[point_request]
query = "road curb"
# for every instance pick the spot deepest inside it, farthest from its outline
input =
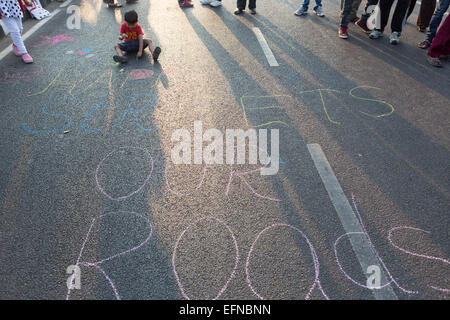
(26, 16)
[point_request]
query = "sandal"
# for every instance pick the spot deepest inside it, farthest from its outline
(424, 44)
(114, 5)
(435, 62)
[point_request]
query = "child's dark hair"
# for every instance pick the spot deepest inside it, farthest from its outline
(131, 16)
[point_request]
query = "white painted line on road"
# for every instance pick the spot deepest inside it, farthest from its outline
(65, 4)
(6, 51)
(361, 246)
(265, 47)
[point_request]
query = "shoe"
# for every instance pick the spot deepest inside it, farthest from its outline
(216, 4)
(425, 44)
(375, 34)
(319, 12)
(156, 53)
(343, 34)
(252, 11)
(206, 1)
(300, 11)
(120, 59)
(238, 11)
(363, 25)
(186, 4)
(27, 58)
(16, 51)
(114, 5)
(354, 19)
(394, 38)
(435, 62)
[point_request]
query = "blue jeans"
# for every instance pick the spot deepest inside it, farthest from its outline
(306, 4)
(437, 18)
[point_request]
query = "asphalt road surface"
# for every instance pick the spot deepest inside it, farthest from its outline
(87, 180)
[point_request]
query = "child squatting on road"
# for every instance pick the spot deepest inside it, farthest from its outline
(133, 39)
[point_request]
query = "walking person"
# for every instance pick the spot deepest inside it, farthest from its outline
(212, 3)
(397, 19)
(304, 8)
(11, 13)
(440, 48)
(346, 8)
(241, 6)
(425, 13)
(434, 24)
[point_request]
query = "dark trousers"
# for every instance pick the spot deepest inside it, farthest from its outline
(441, 43)
(399, 14)
(425, 13)
(251, 4)
(355, 7)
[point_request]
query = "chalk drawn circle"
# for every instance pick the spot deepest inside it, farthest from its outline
(222, 290)
(132, 193)
(311, 248)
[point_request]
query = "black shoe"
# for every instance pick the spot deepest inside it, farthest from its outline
(120, 59)
(238, 11)
(156, 53)
(252, 11)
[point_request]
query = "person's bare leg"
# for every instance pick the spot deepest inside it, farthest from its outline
(118, 50)
(151, 47)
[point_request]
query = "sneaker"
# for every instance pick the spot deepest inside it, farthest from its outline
(16, 51)
(252, 11)
(301, 11)
(216, 4)
(375, 34)
(425, 44)
(238, 11)
(206, 1)
(363, 25)
(319, 12)
(27, 58)
(435, 62)
(186, 4)
(120, 59)
(343, 34)
(394, 38)
(156, 53)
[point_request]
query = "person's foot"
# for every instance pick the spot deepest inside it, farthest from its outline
(425, 44)
(252, 11)
(114, 5)
(216, 4)
(120, 59)
(186, 4)
(156, 54)
(300, 11)
(435, 62)
(363, 25)
(421, 29)
(375, 34)
(342, 33)
(206, 1)
(394, 38)
(238, 11)
(354, 19)
(27, 58)
(319, 12)
(16, 51)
